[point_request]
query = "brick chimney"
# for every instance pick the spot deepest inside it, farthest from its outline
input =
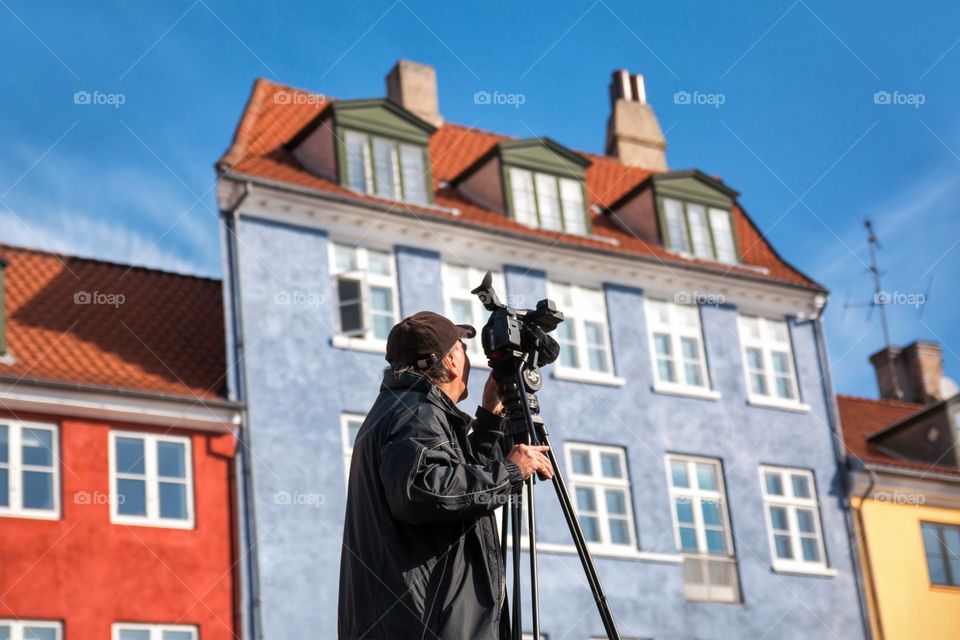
(633, 133)
(912, 374)
(413, 86)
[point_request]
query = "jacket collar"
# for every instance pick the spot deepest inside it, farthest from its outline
(411, 381)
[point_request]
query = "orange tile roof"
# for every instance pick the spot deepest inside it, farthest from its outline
(275, 113)
(861, 418)
(160, 332)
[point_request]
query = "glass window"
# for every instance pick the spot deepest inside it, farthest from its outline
(942, 545)
(693, 228)
(768, 356)
(723, 236)
(676, 226)
(793, 518)
(29, 470)
(602, 493)
(678, 353)
(366, 288)
(386, 167)
(133, 631)
(546, 201)
(465, 308)
(584, 336)
(152, 481)
(699, 233)
(30, 630)
(702, 529)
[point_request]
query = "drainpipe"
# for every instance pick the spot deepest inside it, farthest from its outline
(244, 481)
(830, 399)
(857, 464)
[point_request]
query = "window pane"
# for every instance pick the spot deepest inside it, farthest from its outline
(616, 502)
(619, 532)
(663, 344)
(676, 227)
(571, 193)
(384, 163)
(131, 497)
(566, 336)
(598, 359)
(381, 326)
(774, 482)
(378, 263)
(782, 544)
(758, 384)
(381, 299)
(951, 537)
(706, 477)
(358, 161)
(39, 633)
(684, 510)
(678, 474)
(37, 447)
(723, 235)
(938, 570)
(591, 528)
(755, 359)
(690, 348)
(345, 258)
(524, 208)
(581, 462)
(801, 486)
(37, 490)
(351, 306)
(171, 460)
(129, 455)
(776, 331)
(610, 465)
(688, 539)
(414, 176)
(711, 512)
(4, 489)
(666, 370)
(177, 635)
(173, 500)
(805, 521)
(784, 387)
(4, 632)
(931, 541)
(462, 311)
(700, 237)
(716, 544)
(4, 446)
(586, 499)
(778, 518)
(131, 634)
(548, 203)
(780, 362)
(810, 548)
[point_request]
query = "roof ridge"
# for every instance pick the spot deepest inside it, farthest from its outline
(110, 263)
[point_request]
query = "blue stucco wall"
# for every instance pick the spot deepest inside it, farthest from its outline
(298, 385)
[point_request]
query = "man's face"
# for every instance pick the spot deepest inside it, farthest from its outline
(461, 370)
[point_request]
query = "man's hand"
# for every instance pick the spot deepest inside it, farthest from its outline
(491, 396)
(531, 459)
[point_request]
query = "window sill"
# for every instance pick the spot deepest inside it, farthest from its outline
(592, 377)
(685, 391)
(775, 403)
(31, 515)
(798, 569)
(370, 345)
(608, 551)
(156, 524)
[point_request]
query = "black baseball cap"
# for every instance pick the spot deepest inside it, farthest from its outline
(422, 339)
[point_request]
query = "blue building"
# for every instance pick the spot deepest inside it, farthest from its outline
(691, 406)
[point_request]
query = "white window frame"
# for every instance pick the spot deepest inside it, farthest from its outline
(477, 311)
(599, 483)
(563, 215)
(577, 317)
(396, 165)
(155, 630)
(709, 213)
(791, 503)
(15, 469)
(151, 480)
(676, 331)
(696, 495)
(365, 341)
(17, 626)
(766, 346)
(345, 419)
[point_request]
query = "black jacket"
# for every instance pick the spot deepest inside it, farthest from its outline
(421, 552)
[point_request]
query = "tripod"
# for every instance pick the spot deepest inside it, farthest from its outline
(518, 386)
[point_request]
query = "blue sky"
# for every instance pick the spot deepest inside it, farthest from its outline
(799, 132)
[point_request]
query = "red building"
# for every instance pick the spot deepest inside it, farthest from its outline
(116, 453)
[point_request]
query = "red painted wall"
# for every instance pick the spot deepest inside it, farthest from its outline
(90, 573)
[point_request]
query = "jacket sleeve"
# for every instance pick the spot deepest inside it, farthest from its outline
(487, 436)
(425, 481)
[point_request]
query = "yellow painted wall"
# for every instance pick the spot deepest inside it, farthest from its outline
(907, 605)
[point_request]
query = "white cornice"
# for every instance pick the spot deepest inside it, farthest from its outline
(347, 219)
(907, 487)
(92, 404)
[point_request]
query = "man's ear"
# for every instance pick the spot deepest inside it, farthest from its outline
(450, 362)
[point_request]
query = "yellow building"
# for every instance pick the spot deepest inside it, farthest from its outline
(905, 495)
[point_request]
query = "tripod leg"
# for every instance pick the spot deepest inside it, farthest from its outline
(516, 505)
(534, 580)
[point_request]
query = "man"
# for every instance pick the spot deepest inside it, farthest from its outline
(421, 553)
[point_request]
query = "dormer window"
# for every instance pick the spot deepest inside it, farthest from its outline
(547, 201)
(386, 168)
(700, 230)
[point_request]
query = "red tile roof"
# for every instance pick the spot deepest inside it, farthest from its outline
(164, 335)
(275, 113)
(861, 418)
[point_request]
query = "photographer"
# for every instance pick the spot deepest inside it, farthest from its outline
(421, 554)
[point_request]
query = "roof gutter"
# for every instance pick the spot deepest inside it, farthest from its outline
(345, 199)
